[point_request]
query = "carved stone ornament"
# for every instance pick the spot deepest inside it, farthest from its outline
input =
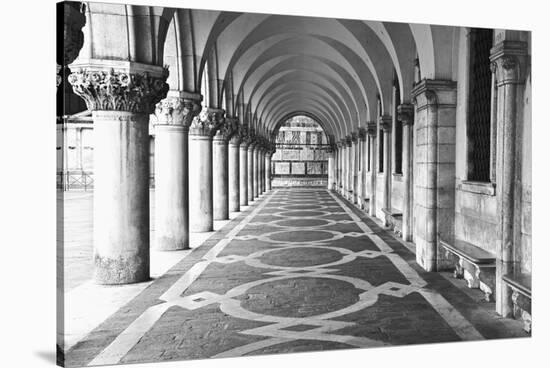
(371, 128)
(354, 137)
(405, 114)
(176, 111)
(207, 122)
(385, 123)
(119, 91)
(227, 129)
(361, 133)
(348, 140)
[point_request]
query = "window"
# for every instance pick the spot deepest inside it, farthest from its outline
(479, 106)
(381, 151)
(398, 147)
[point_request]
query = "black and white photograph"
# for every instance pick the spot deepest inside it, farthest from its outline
(232, 182)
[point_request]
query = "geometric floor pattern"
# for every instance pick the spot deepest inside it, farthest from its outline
(301, 270)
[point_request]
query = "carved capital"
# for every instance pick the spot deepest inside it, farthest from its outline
(372, 128)
(176, 110)
(348, 140)
(120, 90)
(385, 123)
(434, 92)
(228, 129)
(405, 114)
(354, 137)
(207, 122)
(509, 61)
(361, 133)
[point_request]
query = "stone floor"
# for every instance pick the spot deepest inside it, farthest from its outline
(299, 270)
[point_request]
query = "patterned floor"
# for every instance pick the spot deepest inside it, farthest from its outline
(299, 271)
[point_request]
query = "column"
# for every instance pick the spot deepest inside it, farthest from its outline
(173, 118)
(435, 106)
(201, 207)
(405, 114)
(256, 170)
(372, 132)
(330, 154)
(353, 168)
(509, 59)
(121, 164)
(261, 174)
(250, 176)
(243, 168)
(234, 170)
(361, 173)
(349, 168)
(220, 162)
(385, 122)
(268, 169)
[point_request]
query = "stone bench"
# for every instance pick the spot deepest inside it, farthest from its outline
(394, 218)
(520, 283)
(477, 266)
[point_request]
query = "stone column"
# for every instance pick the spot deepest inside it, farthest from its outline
(267, 170)
(234, 169)
(121, 163)
(251, 165)
(361, 173)
(372, 132)
(261, 173)
(330, 183)
(243, 168)
(435, 108)
(174, 115)
(353, 168)
(386, 124)
(256, 168)
(220, 170)
(405, 114)
(509, 59)
(349, 168)
(201, 204)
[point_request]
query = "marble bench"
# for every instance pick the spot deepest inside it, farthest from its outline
(520, 283)
(394, 218)
(477, 266)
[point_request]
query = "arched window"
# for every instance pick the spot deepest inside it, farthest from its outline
(479, 105)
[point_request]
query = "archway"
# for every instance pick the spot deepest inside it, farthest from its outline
(301, 157)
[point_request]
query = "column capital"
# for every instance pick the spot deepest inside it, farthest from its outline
(405, 114)
(236, 137)
(107, 85)
(354, 137)
(509, 61)
(178, 108)
(361, 133)
(227, 130)
(372, 128)
(434, 92)
(207, 122)
(348, 140)
(385, 123)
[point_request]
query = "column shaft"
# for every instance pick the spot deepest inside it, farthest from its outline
(250, 176)
(121, 197)
(201, 217)
(234, 172)
(220, 183)
(243, 174)
(171, 187)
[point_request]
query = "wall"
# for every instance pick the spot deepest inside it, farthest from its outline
(476, 206)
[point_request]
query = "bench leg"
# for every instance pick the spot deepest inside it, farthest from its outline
(522, 309)
(471, 274)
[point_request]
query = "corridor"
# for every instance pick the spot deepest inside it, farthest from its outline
(299, 270)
